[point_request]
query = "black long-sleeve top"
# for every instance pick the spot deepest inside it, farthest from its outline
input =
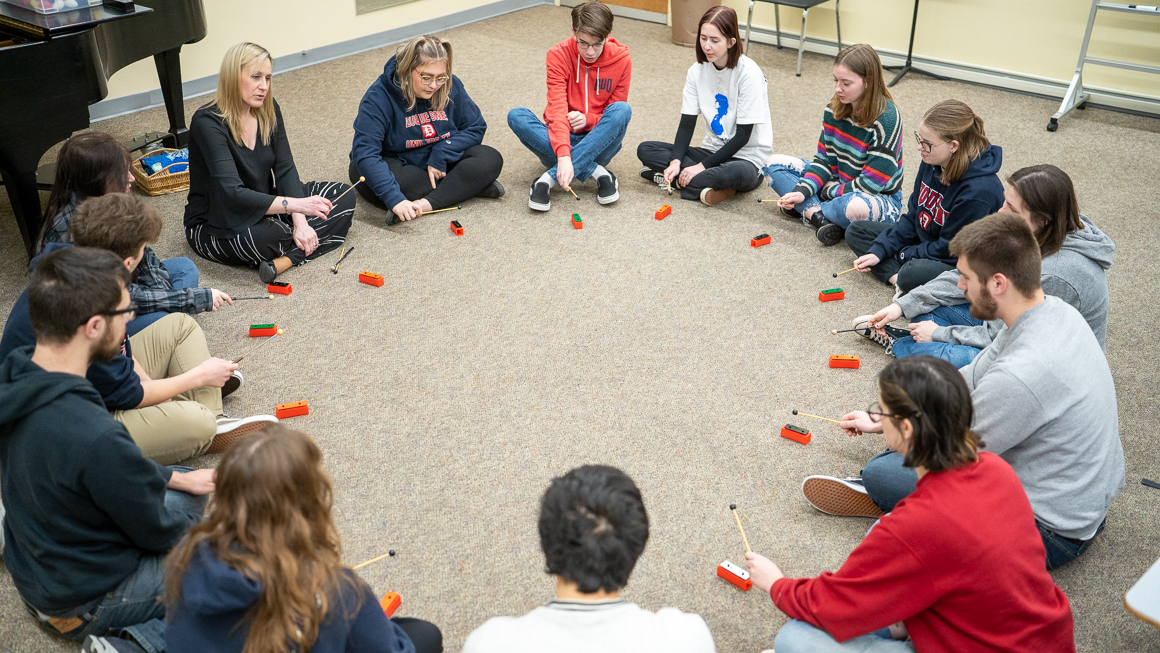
(231, 186)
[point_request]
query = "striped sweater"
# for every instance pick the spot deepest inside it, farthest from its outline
(855, 158)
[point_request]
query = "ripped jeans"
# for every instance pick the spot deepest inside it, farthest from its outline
(842, 209)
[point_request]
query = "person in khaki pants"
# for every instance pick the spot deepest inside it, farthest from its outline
(163, 385)
(173, 350)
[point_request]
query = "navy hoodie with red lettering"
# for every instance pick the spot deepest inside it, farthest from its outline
(418, 136)
(936, 211)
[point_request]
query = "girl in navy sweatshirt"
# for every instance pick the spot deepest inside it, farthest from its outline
(418, 137)
(957, 183)
(263, 574)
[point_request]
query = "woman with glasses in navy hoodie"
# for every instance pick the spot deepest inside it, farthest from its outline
(418, 137)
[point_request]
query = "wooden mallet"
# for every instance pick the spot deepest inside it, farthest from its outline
(335, 200)
(825, 419)
(385, 555)
(242, 299)
(837, 274)
(450, 208)
(341, 255)
(733, 507)
(569, 189)
(254, 349)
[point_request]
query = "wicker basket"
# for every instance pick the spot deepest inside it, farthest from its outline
(160, 183)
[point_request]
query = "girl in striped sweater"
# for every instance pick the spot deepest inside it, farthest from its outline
(857, 171)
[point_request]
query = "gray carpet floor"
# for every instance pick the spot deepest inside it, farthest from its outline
(446, 400)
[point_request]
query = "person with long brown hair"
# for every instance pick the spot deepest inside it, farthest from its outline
(955, 566)
(856, 173)
(246, 204)
(1076, 257)
(93, 164)
(957, 183)
(418, 136)
(729, 90)
(263, 573)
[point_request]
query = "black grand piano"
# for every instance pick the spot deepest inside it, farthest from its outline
(52, 67)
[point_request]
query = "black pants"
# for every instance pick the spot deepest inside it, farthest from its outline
(737, 174)
(273, 236)
(480, 165)
(424, 634)
(860, 236)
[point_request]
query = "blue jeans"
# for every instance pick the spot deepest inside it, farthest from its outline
(888, 482)
(883, 208)
(597, 147)
(182, 274)
(1061, 550)
(800, 637)
(140, 596)
(958, 355)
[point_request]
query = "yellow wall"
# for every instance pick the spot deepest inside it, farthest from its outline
(283, 27)
(1039, 38)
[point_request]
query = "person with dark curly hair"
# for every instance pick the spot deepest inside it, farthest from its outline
(593, 527)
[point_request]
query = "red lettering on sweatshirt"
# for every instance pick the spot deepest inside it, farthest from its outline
(930, 207)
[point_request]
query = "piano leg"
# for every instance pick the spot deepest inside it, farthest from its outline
(25, 198)
(169, 73)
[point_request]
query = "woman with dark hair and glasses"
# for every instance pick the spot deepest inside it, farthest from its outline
(730, 91)
(418, 136)
(958, 565)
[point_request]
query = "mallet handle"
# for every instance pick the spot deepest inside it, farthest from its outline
(745, 539)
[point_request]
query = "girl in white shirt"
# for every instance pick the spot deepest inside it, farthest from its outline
(730, 91)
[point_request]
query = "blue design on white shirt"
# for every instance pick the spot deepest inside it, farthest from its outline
(722, 109)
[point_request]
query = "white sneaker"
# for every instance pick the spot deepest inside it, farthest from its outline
(230, 430)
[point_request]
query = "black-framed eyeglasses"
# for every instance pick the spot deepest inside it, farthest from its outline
(131, 312)
(876, 414)
(594, 47)
(924, 145)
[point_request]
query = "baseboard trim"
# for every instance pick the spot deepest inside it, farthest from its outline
(627, 12)
(984, 76)
(120, 106)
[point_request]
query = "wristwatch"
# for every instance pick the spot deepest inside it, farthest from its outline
(286, 206)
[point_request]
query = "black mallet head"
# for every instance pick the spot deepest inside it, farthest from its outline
(733, 506)
(391, 552)
(795, 411)
(835, 275)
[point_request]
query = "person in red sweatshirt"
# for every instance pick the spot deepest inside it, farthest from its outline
(588, 112)
(958, 566)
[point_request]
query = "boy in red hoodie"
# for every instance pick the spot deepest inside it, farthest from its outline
(587, 113)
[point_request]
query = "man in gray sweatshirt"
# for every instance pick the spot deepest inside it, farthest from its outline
(1053, 418)
(940, 325)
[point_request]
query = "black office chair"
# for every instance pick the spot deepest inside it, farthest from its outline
(805, 6)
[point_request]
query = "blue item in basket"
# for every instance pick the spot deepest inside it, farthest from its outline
(155, 164)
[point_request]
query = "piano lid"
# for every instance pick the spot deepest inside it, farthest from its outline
(28, 23)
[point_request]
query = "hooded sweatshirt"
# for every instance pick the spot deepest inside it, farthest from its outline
(1076, 274)
(116, 380)
(83, 505)
(936, 211)
(418, 136)
(210, 614)
(575, 85)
